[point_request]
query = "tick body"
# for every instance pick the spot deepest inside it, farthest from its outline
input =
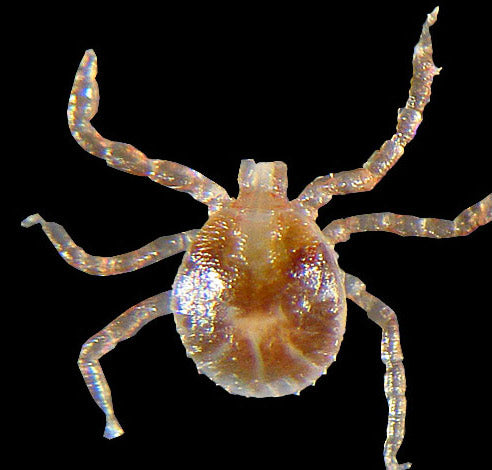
(259, 300)
(265, 290)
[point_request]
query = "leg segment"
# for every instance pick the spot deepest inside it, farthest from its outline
(76, 257)
(321, 190)
(124, 327)
(82, 107)
(407, 225)
(392, 357)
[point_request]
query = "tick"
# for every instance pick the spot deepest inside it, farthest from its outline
(259, 299)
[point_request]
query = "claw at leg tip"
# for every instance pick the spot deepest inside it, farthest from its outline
(31, 220)
(112, 429)
(432, 16)
(110, 433)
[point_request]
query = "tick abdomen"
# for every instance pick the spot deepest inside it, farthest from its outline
(259, 302)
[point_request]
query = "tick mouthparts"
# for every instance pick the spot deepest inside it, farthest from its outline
(264, 177)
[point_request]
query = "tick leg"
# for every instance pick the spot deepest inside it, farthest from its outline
(82, 107)
(124, 327)
(408, 225)
(75, 256)
(321, 190)
(392, 357)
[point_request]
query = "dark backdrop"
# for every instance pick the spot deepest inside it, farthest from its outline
(317, 88)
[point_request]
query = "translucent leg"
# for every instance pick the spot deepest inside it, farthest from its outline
(392, 357)
(82, 107)
(406, 225)
(75, 256)
(321, 190)
(125, 326)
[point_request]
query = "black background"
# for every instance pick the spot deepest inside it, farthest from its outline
(317, 88)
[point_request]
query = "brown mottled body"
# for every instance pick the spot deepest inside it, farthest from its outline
(259, 299)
